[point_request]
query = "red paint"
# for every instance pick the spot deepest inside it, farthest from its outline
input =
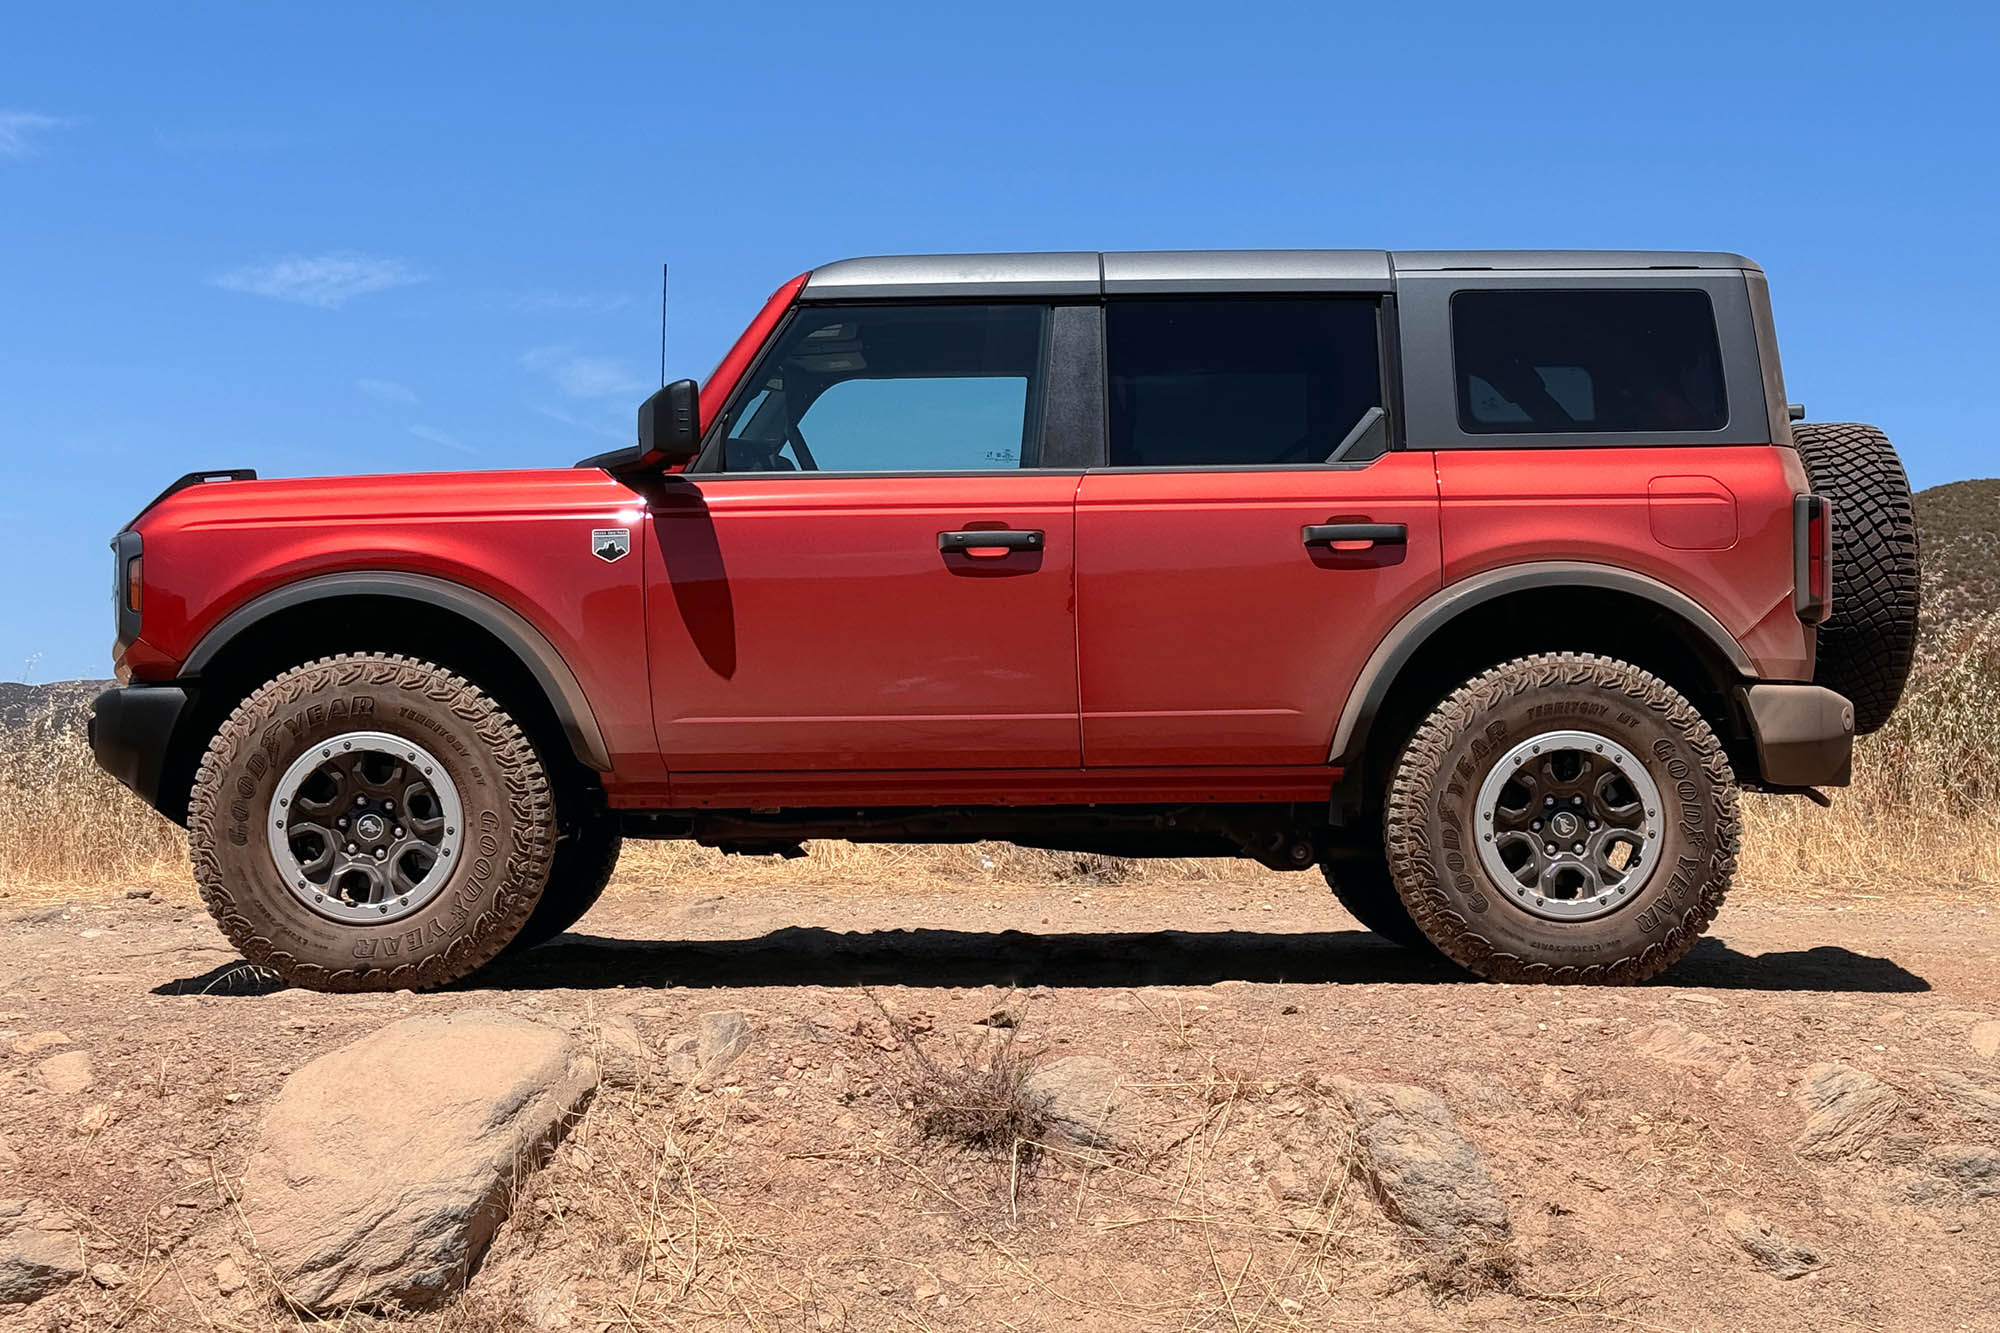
(722, 380)
(1209, 633)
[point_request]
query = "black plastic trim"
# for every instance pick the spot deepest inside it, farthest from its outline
(131, 732)
(521, 638)
(126, 547)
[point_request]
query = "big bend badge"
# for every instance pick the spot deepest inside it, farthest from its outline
(609, 544)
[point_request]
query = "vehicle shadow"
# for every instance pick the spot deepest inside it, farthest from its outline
(814, 956)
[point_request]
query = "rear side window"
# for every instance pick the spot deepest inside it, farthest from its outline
(1586, 362)
(944, 388)
(1229, 383)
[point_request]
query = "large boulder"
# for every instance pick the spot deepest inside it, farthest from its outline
(1421, 1167)
(39, 1251)
(383, 1169)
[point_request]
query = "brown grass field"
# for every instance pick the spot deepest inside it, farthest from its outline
(1924, 812)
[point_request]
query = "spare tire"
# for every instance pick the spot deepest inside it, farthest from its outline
(1866, 645)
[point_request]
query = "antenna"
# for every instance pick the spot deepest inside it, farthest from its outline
(663, 326)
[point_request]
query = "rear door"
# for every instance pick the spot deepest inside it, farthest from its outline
(1232, 580)
(878, 572)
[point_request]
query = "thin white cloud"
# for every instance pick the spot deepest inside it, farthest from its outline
(584, 376)
(565, 303)
(577, 423)
(442, 438)
(327, 281)
(388, 391)
(21, 132)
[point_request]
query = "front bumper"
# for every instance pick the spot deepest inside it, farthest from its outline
(1804, 734)
(131, 733)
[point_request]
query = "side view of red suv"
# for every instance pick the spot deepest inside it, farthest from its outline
(1481, 581)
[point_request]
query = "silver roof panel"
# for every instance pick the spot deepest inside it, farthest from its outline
(1246, 271)
(1418, 261)
(901, 277)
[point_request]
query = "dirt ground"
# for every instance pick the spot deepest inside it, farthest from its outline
(792, 1192)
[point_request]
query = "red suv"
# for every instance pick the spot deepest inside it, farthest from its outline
(1481, 581)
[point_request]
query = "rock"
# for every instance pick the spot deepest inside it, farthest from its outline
(1974, 1096)
(1670, 1043)
(1082, 1098)
(9, 1159)
(723, 1035)
(1985, 1038)
(679, 1059)
(38, 1252)
(1424, 1172)
(622, 1057)
(1770, 1248)
(69, 1072)
(95, 1120)
(382, 1169)
(1845, 1109)
(37, 1042)
(108, 1276)
(1973, 1169)
(229, 1277)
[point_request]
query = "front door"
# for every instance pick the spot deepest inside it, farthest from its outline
(872, 572)
(1231, 580)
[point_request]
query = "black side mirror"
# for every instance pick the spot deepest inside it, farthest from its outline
(669, 433)
(670, 425)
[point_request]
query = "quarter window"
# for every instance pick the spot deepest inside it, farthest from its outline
(1242, 383)
(893, 389)
(1586, 362)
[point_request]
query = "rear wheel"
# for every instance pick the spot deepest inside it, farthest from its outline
(1867, 644)
(1565, 818)
(370, 822)
(1364, 888)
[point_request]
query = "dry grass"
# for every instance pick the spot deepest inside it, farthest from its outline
(1924, 810)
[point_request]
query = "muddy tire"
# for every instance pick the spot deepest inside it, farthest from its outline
(585, 858)
(1867, 644)
(370, 822)
(1563, 818)
(1365, 890)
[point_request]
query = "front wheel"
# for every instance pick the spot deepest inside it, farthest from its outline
(370, 822)
(1563, 818)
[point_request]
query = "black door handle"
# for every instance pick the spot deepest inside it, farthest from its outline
(1375, 534)
(984, 539)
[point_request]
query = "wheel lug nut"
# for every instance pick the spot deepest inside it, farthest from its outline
(1578, 849)
(1535, 824)
(1548, 800)
(1551, 849)
(340, 823)
(350, 849)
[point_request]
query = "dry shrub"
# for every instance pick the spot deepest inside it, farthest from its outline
(983, 1103)
(65, 822)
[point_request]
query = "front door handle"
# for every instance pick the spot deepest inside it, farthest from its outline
(981, 541)
(1375, 534)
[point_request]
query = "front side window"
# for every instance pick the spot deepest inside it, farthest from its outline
(1583, 362)
(944, 388)
(1242, 383)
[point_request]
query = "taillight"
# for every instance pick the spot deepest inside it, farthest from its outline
(1812, 538)
(135, 582)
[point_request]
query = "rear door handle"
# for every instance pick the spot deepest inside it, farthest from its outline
(990, 539)
(1375, 534)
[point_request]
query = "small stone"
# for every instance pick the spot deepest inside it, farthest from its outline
(108, 1275)
(37, 1042)
(38, 1252)
(9, 1159)
(94, 1120)
(69, 1072)
(722, 1036)
(621, 1053)
(229, 1277)
(1770, 1248)
(1422, 1168)
(1083, 1098)
(1974, 1096)
(1985, 1039)
(1670, 1043)
(138, 894)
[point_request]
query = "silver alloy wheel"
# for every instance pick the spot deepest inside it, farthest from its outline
(365, 827)
(1569, 825)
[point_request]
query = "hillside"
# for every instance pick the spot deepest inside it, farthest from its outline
(1959, 526)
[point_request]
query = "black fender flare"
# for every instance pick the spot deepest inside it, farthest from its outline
(1378, 674)
(514, 632)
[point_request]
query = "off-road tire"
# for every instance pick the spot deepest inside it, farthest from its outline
(508, 813)
(1866, 645)
(1367, 892)
(1432, 827)
(585, 858)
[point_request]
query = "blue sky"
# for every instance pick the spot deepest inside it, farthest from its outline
(364, 238)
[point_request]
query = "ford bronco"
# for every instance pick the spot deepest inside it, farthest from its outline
(1480, 582)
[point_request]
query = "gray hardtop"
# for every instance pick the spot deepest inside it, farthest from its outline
(1082, 273)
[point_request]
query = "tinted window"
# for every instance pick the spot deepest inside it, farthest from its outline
(1239, 383)
(893, 389)
(1555, 362)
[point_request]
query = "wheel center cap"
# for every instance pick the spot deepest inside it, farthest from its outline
(1564, 824)
(369, 827)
